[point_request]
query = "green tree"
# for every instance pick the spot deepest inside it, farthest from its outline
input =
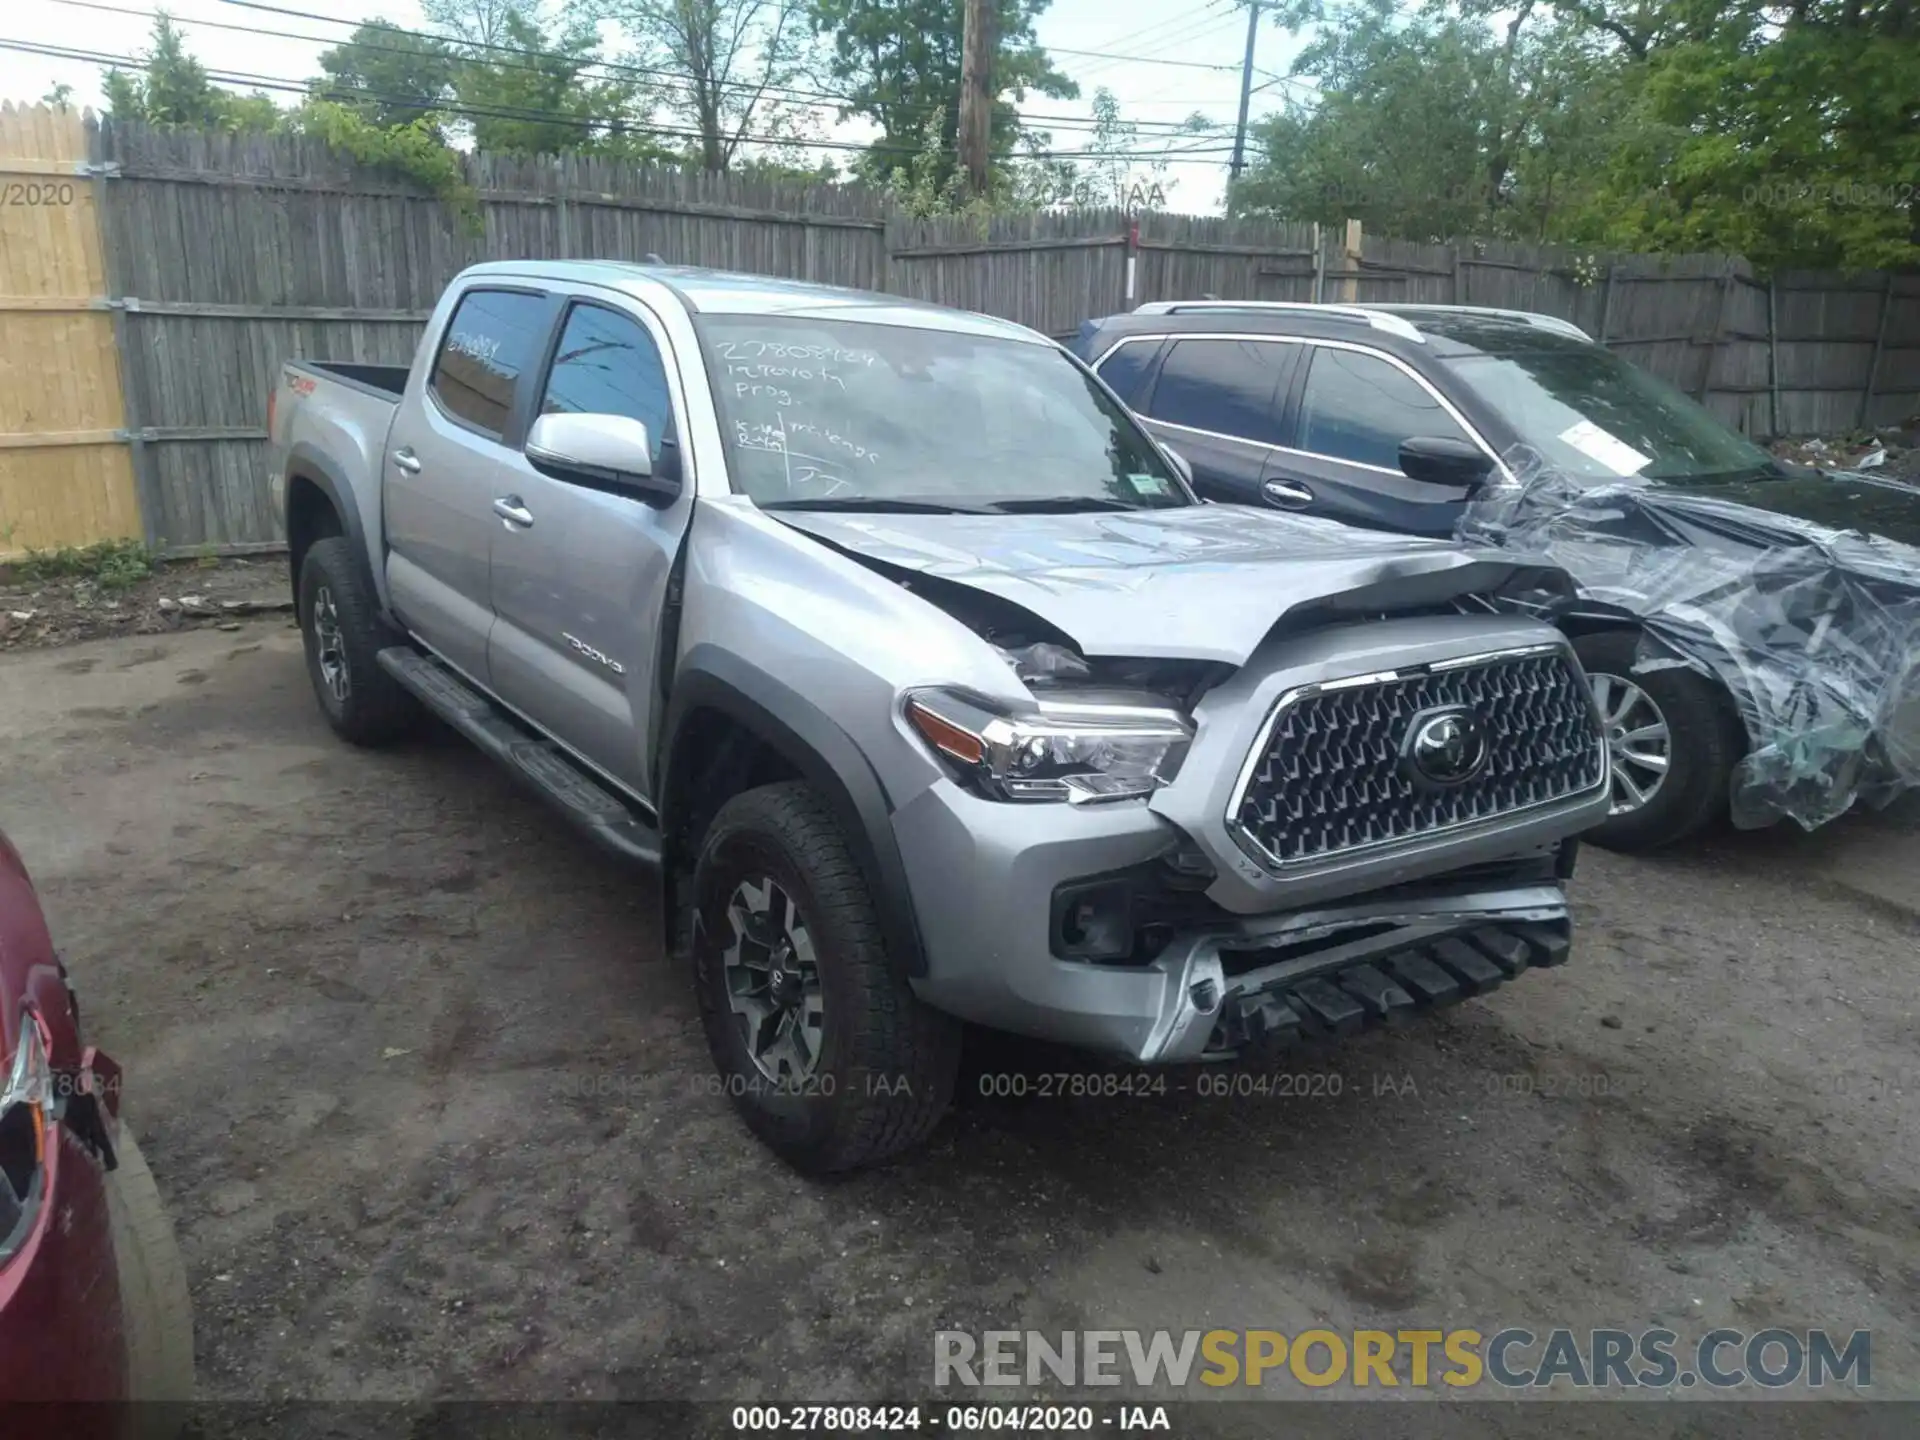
(1433, 124)
(60, 96)
(387, 75)
(541, 96)
(731, 59)
(172, 88)
(1789, 134)
(899, 63)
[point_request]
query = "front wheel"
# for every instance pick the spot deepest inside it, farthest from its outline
(818, 1040)
(1672, 740)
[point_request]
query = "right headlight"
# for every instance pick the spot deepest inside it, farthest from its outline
(1080, 751)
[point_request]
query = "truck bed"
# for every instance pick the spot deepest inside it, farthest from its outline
(387, 381)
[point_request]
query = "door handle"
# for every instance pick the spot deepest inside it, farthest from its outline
(1287, 494)
(407, 460)
(514, 512)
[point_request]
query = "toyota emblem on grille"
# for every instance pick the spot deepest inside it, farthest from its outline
(1445, 746)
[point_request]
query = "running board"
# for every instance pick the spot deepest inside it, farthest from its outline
(593, 807)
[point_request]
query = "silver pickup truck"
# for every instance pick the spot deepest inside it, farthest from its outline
(913, 666)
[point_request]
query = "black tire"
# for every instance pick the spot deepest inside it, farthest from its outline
(886, 1062)
(1704, 739)
(372, 708)
(156, 1310)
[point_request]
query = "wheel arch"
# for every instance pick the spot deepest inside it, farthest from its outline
(730, 727)
(319, 505)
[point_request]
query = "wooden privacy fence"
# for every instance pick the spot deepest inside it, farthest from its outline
(65, 471)
(210, 259)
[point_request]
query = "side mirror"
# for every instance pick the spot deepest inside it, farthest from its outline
(1442, 460)
(607, 452)
(1180, 463)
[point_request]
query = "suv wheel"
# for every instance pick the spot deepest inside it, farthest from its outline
(1672, 741)
(341, 627)
(820, 1043)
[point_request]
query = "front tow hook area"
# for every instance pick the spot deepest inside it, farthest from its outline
(1268, 1009)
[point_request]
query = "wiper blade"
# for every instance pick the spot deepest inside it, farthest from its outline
(876, 504)
(1063, 505)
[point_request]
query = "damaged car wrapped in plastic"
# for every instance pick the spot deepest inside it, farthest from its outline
(1787, 648)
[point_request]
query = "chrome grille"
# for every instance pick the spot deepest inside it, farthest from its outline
(1330, 774)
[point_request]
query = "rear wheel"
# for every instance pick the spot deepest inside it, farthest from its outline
(820, 1043)
(1672, 740)
(341, 626)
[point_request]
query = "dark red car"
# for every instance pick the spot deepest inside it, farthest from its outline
(93, 1295)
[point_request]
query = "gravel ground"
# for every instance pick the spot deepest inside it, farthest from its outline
(433, 1112)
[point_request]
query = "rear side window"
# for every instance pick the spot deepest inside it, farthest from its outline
(494, 335)
(1226, 386)
(1126, 365)
(1359, 407)
(607, 364)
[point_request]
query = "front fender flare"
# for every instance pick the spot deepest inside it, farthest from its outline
(823, 753)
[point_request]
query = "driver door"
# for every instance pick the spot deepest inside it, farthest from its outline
(1352, 409)
(580, 573)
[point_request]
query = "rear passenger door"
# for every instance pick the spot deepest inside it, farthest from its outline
(1217, 399)
(1340, 459)
(580, 576)
(456, 432)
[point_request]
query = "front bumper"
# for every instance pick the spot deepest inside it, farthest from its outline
(984, 880)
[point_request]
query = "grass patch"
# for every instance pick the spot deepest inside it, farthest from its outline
(110, 564)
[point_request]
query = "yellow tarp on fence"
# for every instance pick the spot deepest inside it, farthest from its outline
(66, 477)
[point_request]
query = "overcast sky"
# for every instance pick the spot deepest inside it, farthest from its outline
(1207, 36)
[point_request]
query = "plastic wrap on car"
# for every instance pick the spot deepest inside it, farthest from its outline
(1814, 631)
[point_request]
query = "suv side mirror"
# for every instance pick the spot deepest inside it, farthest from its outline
(607, 452)
(1442, 460)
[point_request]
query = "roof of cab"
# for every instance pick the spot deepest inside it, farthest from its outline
(725, 292)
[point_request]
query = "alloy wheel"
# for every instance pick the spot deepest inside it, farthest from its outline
(1638, 741)
(329, 648)
(772, 977)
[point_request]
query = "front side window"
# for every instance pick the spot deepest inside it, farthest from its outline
(493, 336)
(1359, 407)
(1230, 387)
(607, 364)
(836, 414)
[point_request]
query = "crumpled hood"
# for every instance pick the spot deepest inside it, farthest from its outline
(1205, 582)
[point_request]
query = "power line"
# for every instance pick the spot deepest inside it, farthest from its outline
(470, 111)
(1161, 31)
(815, 99)
(1106, 55)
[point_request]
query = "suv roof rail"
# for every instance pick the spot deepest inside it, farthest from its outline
(1526, 317)
(1378, 319)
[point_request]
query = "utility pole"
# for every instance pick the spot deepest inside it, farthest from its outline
(974, 138)
(1246, 94)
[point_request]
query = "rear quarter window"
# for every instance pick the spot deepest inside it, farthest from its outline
(493, 337)
(1126, 365)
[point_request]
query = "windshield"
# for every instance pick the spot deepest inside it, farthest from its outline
(826, 414)
(1590, 413)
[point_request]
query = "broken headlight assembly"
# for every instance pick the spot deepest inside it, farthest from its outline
(1082, 750)
(26, 1121)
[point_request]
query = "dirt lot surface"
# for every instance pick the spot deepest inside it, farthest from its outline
(175, 596)
(434, 1116)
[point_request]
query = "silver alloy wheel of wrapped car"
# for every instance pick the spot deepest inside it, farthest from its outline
(1639, 741)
